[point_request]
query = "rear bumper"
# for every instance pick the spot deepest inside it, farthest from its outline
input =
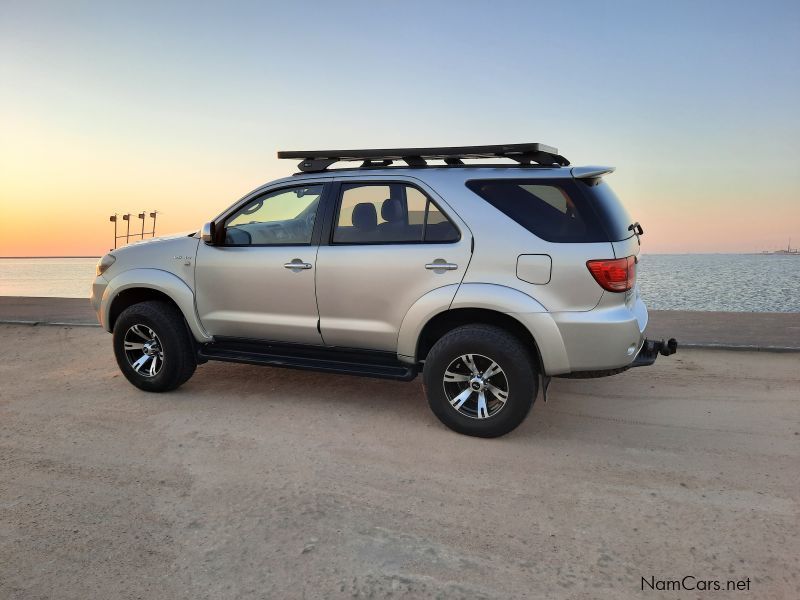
(605, 338)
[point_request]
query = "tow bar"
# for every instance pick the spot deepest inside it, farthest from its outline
(651, 349)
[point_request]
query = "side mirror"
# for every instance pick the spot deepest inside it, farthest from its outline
(208, 233)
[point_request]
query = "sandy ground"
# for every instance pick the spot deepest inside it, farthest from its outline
(252, 482)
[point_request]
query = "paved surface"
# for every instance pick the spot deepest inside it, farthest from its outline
(754, 331)
(47, 310)
(763, 331)
(253, 482)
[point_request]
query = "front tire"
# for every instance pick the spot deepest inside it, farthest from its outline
(480, 380)
(153, 347)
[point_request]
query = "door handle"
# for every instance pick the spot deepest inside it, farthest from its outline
(440, 265)
(297, 264)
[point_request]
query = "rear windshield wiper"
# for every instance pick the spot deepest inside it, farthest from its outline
(636, 229)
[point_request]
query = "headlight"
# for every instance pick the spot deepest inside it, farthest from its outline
(104, 263)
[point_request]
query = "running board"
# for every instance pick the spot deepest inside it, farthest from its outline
(383, 365)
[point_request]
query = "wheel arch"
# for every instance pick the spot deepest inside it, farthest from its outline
(134, 295)
(442, 310)
(140, 285)
(446, 321)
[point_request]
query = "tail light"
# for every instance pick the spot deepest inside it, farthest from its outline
(617, 275)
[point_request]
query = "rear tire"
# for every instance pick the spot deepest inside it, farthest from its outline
(153, 347)
(480, 380)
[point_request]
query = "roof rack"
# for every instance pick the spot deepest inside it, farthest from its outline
(525, 154)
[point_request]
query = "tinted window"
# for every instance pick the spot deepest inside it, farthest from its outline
(611, 211)
(389, 214)
(438, 228)
(557, 211)
(276, 218)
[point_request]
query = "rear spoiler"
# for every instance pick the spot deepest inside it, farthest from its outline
(591, 172)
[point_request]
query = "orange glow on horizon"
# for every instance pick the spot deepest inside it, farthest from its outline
(57, 192)
(66, 216)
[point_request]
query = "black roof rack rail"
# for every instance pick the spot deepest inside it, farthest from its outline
(525, 154)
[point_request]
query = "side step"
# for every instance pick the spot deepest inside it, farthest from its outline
(383, 365)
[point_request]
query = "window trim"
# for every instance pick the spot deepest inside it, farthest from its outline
(316, 232)
(336, 196)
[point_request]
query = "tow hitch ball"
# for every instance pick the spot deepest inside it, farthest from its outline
(651, 349)
(666, 348)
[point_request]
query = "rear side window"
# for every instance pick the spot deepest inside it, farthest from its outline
(561, 210)
(389, 213)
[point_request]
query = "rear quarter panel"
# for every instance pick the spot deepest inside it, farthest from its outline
(499, 241)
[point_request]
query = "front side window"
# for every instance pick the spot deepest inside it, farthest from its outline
(278, 218)
(389, 213)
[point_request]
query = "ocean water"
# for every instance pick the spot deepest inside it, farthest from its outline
(724, 282)
(51, 277)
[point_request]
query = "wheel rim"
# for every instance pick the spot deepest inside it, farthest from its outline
(476, 386)
(143, 350)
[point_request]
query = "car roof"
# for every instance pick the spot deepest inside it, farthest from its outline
(435, 173)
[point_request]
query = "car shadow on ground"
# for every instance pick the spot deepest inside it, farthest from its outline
(402, 403)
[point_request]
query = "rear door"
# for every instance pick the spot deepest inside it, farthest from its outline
(389, 244)
(258, 282)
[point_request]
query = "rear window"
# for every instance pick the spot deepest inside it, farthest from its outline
(612, 212)
(563, 210)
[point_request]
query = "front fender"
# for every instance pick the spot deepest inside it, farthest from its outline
(155, 279)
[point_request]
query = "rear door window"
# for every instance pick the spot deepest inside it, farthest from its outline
(561, 210)
(389, 213)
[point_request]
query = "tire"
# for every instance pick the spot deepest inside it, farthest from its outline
(160, 331)
(451, 382)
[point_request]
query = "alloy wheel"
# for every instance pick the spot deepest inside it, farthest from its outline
(476, 386)
(143, 350)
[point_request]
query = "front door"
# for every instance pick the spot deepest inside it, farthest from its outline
(390, 245)
(258, 282)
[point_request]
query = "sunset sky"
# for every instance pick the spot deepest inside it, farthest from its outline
(112, 107)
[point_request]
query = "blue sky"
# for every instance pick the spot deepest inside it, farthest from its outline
(695, 103)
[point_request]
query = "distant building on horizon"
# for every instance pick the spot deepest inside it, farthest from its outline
(788, 250)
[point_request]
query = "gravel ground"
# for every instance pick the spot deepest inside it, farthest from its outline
(251, 482)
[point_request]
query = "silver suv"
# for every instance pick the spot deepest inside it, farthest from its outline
(490, 278)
